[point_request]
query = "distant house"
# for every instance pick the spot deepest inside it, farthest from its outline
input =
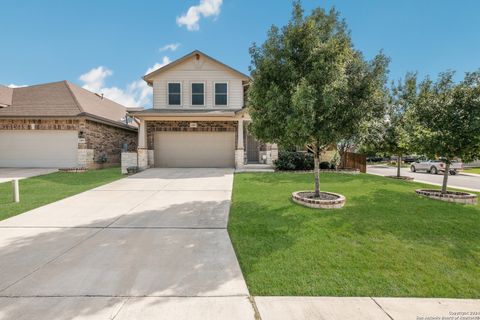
(61, 125)
(199, 118)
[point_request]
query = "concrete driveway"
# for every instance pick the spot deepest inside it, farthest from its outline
(153, 245)
(8, 174)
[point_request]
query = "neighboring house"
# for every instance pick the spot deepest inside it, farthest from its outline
(198, 117)
(61, 125)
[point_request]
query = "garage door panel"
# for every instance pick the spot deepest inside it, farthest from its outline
(42, 148)
(195, 149)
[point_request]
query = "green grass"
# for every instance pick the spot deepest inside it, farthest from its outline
(42, 190)
(386, 241)
(472, 170)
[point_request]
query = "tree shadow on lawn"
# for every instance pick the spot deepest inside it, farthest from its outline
(277, 178)
(408, 216)
(385, 241)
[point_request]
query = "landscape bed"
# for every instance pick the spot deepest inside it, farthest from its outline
(41, 190)
(385, 241)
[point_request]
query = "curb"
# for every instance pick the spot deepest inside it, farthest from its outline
(470, 174)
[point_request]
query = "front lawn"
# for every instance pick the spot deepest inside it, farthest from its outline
(472, 170)
(42, 190)
(386, 241)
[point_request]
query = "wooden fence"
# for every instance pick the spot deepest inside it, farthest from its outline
(355, 161)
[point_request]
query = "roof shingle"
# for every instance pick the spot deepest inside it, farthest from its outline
(58, 99)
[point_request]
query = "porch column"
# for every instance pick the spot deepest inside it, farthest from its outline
(240, 134)
(239, 152)
(142, 135)
(142, 154)
(272, 153)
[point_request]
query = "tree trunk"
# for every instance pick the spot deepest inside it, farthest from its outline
(342, 158)
(316, 157)
(445, 177)
(399, 163)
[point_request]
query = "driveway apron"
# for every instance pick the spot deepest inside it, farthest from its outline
(150, 244)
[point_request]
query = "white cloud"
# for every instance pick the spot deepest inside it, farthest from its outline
(205, 8)
(165, 61)
(11, 85)
(136, 93)
(170, 46)
(94, 80)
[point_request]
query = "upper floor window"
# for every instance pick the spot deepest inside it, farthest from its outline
(198, 94)
(221, 90)
(174, 94)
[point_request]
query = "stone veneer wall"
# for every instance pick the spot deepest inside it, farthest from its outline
(184, 126)
(99, 137)
(40, 124)
(85, 158)
(105, 139)
(129, 159)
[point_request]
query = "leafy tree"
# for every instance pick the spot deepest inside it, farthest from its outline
(447, 119)
(395, 133)
(310, 86)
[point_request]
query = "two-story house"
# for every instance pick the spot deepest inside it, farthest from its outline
(198, 117)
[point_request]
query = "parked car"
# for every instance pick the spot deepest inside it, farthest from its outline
(435, 166)
(408, 159)
(405, 159)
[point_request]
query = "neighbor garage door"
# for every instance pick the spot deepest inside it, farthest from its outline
(195, 149)
(42, 148)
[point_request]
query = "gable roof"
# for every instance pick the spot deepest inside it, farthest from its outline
(148, 77)
(62, 99)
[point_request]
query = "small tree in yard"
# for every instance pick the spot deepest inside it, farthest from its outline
(310, 86)
(395, 137)
(447, 119)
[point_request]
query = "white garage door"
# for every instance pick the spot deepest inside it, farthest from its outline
(42, 148)
(195, 149)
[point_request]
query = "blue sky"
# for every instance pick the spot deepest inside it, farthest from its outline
(113, 43)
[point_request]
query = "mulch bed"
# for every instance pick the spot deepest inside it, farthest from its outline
(323, 195)
(327, 200)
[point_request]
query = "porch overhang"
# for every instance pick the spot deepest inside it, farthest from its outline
(188, 114)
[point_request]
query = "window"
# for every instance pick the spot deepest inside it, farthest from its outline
(174, 94)
(221, 90)
(198, 94)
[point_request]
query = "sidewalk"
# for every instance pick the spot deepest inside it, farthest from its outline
(360, 308)
(470, 174)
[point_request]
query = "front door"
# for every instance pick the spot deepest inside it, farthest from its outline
(252, 150)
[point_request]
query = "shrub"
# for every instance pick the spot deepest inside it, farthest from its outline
(324, 165)
(102, 158)
(293, 160)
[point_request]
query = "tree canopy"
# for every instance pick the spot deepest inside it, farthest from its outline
(390, 134)
(310, 85)
(446, 118)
